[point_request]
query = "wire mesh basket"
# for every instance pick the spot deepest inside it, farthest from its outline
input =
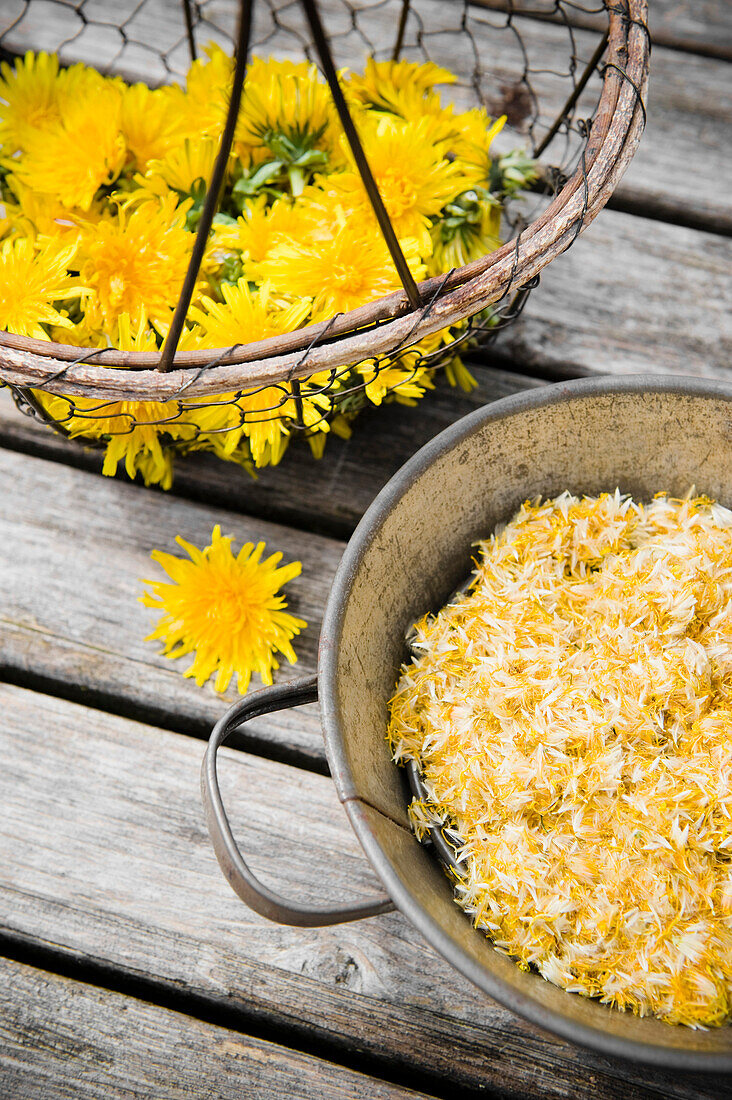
(568, 75)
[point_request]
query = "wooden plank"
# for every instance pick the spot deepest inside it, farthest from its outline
(74, 548)
(689, 118)
(701, 25)
(695, 26)
(63, 1040)
(328, 495)
(684, 157)
(673, 174)
(632, 295)
(106, 857)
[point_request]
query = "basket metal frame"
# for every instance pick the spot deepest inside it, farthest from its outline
(389, 324)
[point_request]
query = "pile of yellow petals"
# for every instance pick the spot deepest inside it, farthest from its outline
(572, 719)
(102, 184)
(226, 609)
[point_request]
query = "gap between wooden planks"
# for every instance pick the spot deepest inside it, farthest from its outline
(107, 857)
(683, 159)
(64, 1040)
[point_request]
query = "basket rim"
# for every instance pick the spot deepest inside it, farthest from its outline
(388, 323)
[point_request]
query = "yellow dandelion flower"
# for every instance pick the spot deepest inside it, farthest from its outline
(258, 414)
(135, 431)
(83, 150)
(226, 609)
(340, 262)
(286, 99)
(150, 122)
(473, 138)
(260, 227)
(245, 316)
(389, 85)
(414, 177)
(183, 167)
(134, 263)
(288, 117)
(42, 216)
(28, 97)
(78, 335)
(399, 381)
(208, 84)
(33, 283)
(254, 418)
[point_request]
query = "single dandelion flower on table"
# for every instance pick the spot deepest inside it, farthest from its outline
(225, 608)
(33, 284)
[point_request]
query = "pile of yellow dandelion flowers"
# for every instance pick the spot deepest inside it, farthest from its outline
(572, 718)
(102, 185)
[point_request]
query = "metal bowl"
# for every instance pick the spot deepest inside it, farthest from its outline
(641, 434)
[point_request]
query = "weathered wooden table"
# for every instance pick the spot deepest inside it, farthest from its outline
(128, 967)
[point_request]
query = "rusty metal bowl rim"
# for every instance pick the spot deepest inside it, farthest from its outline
(389, 323)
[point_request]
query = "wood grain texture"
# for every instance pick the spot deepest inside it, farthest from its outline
(703, 25)
(74, 550)
(633, 295)
(328, 495)
(684, 154)
(63, 1040)
(106, 856)
(695, 26)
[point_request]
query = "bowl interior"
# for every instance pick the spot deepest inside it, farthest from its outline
(412, 548)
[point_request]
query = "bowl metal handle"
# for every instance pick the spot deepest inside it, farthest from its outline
(251, 891)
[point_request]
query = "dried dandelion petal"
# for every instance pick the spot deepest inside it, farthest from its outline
(572, 716)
